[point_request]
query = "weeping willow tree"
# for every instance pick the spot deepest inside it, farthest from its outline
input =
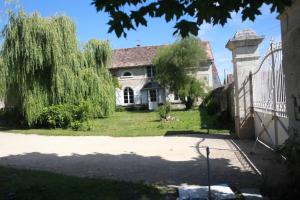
(2, 79)
(45, 67)
(96, 81)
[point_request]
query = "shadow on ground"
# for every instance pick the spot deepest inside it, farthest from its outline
(35, 185)
(269, 163)
(133, 167)
(198, 134)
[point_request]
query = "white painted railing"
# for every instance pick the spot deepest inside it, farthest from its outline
(269, 83)
(269, 98)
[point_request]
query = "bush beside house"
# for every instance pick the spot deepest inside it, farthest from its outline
(219, 104)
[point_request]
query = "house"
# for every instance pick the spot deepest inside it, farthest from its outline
(136, 75)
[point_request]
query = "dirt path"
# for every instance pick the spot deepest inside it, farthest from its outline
(164, 160)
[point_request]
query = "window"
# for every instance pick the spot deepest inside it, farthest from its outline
(128, 95)
(150, 71)
(127, 75)
(152, 95)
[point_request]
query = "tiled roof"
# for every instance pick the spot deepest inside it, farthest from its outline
(133, 57)
(142, 56)
(214, 68)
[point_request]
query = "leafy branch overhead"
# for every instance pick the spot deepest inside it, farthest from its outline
(130, 14)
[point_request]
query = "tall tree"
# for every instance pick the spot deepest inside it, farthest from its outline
(44, 66)
(175, 65)
(188, 14)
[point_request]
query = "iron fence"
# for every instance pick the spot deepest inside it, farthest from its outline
(269, 83)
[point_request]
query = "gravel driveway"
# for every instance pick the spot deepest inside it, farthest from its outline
(172, 160)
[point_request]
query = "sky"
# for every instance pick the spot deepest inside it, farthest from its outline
(91, 24)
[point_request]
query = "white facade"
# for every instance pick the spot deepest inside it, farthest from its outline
(136, 79)
(136, 75)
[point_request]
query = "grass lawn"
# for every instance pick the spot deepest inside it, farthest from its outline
(134, 123)
(33, 185)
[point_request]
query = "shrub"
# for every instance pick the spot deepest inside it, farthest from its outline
(80, 125)
(56, 116)
(120, 109)
(11, 116)
(164, 110)
(83, 111)
(131, 108)
(143, 107)
(76, 125)
(65, 115)
(212, 107)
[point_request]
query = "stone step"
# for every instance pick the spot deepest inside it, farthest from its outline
(252, 194)
(195, 192)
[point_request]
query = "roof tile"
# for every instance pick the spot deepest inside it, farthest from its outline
(142, 56)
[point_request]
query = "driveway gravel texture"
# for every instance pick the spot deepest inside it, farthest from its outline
(167, 160)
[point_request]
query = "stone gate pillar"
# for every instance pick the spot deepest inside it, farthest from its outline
(290, 32)
(245, 58)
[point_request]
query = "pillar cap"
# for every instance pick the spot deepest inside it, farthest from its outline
(246, 37)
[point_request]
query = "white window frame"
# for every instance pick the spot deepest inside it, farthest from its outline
(124, 77)
(128, 96)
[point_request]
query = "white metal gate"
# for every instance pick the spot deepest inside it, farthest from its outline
(269, 98)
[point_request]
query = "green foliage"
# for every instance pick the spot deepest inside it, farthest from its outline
(213, 115)
(57, 116)
(83, 111)
(164, 110)
(197, 11)
(215, 121)
(131, 108)
(97, 54)
(66, 115)
(212, 102)
(3, 74)
(76, 125)
(120, 109)
(175, 65)
(11, 116)
(212, 107)
(116, 82)
(135, 123)
(192, 90)
(46, 67)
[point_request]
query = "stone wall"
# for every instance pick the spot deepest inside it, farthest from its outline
(245, 58)
(290, 31)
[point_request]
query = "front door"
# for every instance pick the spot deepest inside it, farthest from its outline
(152, 99)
